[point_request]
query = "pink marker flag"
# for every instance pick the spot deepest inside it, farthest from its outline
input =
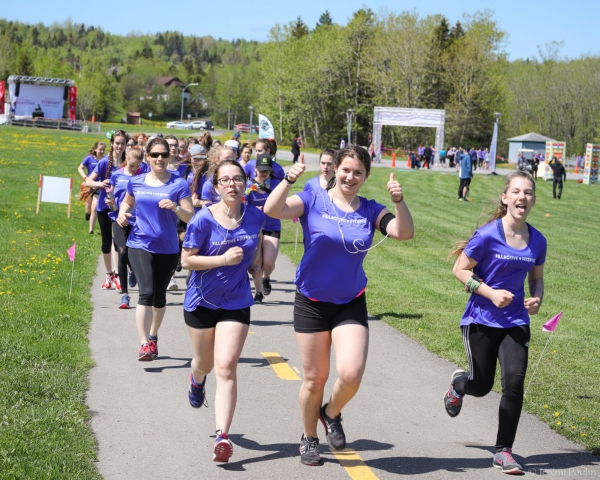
(551, 324)
(71, 252)
(295, 220)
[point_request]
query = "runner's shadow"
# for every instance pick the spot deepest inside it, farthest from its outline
(269, 323)
(400, 316)
(275, 302)
(154, 369)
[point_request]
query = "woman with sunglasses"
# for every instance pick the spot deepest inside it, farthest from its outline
(160, 199)
(220, 248)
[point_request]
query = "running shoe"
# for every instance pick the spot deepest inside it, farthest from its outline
(131, 279)
(453, 403)
(179, 267)
(197, 393)
(258, 297)
(145, 355)
(267, 285)
(153, 344)
(107, 282)
(223, 449)
(309, 451)
(87, 216)
(117, 283)
(505, 461)
(333, 428)
(125, 302)
(172, 286)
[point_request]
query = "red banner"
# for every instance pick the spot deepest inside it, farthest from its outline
(72, 103)
(2, 96)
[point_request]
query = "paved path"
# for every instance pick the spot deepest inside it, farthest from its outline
(396, 426)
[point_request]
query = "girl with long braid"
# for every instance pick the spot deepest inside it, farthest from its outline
(493, 266)
(91, 195)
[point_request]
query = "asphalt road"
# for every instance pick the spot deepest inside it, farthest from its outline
(396, 425)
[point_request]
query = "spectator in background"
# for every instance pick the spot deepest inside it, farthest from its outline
(465, 163)
(473, 155)
(559, 175)
(427, 155)
(296, 146)
(342, 143)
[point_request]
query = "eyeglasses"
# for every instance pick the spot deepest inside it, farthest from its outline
(224, 181)
(131, 144)
(159, 154)
(173, 145)
(198, 159)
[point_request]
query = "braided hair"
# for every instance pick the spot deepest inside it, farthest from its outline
(116, 133)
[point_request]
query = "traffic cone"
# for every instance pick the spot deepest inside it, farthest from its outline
(393, 165)
(408, 161)
(576, 167)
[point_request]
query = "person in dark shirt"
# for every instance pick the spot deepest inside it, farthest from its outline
(559, 174)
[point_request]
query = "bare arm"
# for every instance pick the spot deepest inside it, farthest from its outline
(536, 289)
(463, 270)
(186, 210)
(278, 205)
(81, 171)
(190, 260)
(127, 205)
(401, 227)
(92, 181)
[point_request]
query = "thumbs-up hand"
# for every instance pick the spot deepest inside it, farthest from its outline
(395, 189)
(297, 169)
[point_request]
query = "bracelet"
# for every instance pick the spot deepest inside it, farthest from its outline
(287, 179)
(399, 201)
(473, 284)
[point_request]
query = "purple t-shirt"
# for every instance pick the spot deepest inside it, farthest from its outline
(90, 163)
(502, 267)
(180, 171)
(119, 180)
(155, 228)
(313, 184)
(335, 241)
(278, 170)
(258, 200)
(100, 170)
(210, 193)
(226, 287)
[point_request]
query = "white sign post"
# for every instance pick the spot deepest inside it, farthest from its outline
(55, 190)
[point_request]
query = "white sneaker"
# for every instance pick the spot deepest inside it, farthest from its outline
(172, 286)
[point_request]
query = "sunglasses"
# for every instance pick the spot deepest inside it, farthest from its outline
(159, 154)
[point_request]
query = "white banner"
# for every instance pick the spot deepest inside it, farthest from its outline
(49, 99)
(493, 148)
(265, 127)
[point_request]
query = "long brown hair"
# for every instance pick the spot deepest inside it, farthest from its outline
(355, 152)
(499, 212)
(94, 150)
(117, 133)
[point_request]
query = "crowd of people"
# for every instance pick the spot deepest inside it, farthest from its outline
(167, 204)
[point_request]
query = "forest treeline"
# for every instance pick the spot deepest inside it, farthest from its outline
(306, 78)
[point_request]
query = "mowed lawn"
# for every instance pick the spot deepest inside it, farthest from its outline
(44, 354)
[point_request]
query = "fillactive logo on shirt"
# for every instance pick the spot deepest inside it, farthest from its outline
(515, 257)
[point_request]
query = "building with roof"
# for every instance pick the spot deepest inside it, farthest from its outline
(532, 140)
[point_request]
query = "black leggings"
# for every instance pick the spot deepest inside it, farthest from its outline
(557, 182)
(483, 346)
(120, 235)
(153, 272)
(105, 229)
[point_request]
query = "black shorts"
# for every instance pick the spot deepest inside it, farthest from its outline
(312, 316)
(181, 226)
(272, 233)
(204, 317)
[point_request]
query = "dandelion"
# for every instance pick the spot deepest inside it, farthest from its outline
(559, 423)
(545, 406)
(556, 414)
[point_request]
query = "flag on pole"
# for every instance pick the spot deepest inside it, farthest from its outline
(551, 324)
(71, 252)
(493, 148)
(265, 127)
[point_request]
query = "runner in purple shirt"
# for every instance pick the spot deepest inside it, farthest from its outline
(493, 266)
(330, 306)
(220, 248)
(264, 145)
(326, 167)
(119, 181)
(216, 155)
(87, 166)
(160, 199)
(100, 179)
(258, 190)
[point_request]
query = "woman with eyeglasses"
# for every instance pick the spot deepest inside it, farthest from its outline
(330, 308)
(100, 179)
(220, 248)
(91, 194)
(160, 199)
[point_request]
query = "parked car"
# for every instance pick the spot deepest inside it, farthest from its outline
(177, 124)
(197, 125)
(209, 125)
(245, 127)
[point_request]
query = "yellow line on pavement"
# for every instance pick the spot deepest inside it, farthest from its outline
(354, 465)
(280, 366)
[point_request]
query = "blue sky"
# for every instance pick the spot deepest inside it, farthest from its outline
(529, 23)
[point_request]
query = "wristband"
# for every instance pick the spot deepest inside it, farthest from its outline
(473, 284)
(177, 208)
(399, 201)
(287, 179)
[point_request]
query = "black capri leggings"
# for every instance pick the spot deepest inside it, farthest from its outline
(153, 272)
(105, 229)
(120, 235)
(484, 346)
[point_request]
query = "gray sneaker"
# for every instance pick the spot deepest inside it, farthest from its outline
(507, 463)
(309, 451)
(453, 403)
(336, 438)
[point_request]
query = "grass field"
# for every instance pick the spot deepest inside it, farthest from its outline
(44, 355)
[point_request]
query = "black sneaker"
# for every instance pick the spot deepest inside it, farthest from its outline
(505, 461)
(197, 393)
(333, 428)
(87, 216)
(453, 403)
(267, 285)
(258, 297)
(309, 451)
